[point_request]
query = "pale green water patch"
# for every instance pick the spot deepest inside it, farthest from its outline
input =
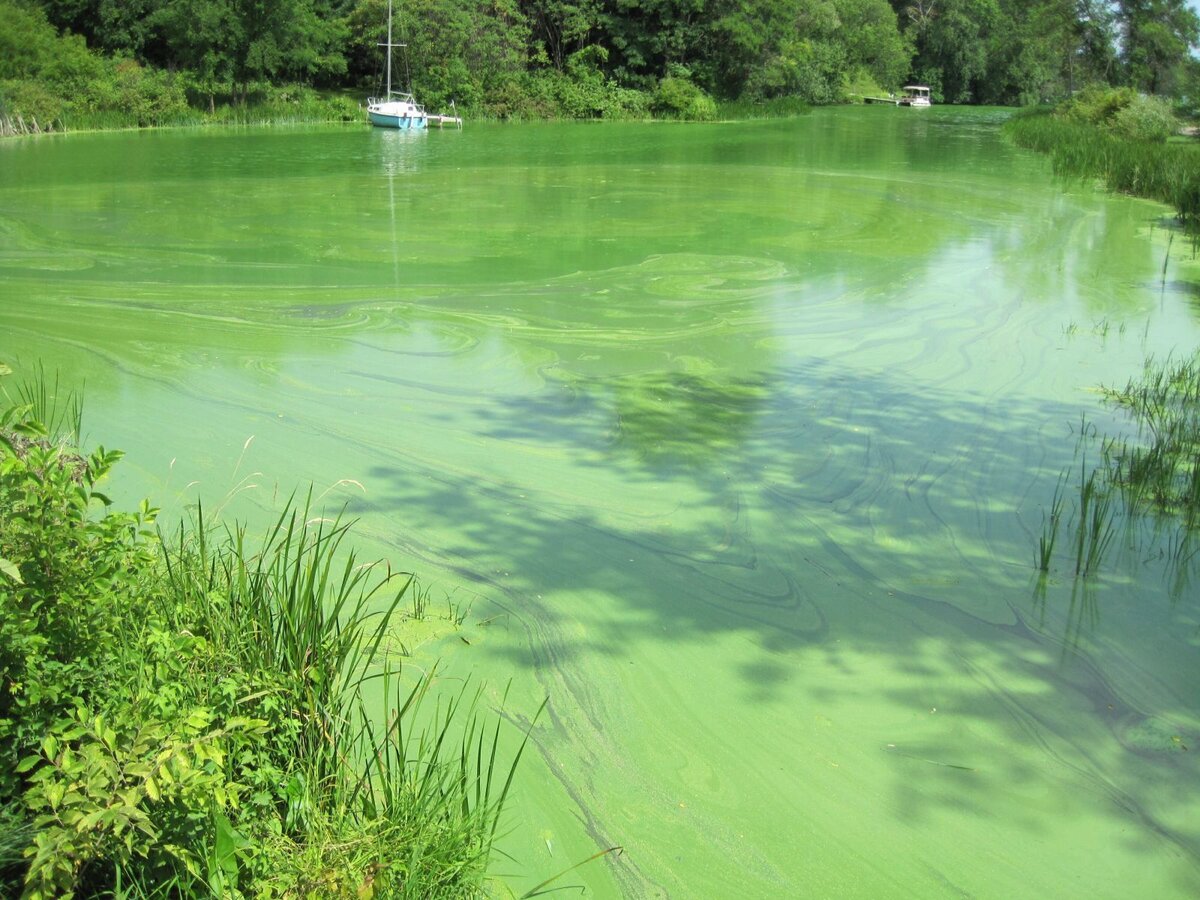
(737, 438)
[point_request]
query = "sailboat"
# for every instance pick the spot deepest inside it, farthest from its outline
(394, 109)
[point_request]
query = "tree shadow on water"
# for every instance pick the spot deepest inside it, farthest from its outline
(863, 523)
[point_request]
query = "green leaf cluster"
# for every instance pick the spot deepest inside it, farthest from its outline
(184, 715)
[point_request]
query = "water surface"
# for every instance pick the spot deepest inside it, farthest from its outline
(733, 440)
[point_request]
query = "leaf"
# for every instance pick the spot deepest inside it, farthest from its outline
(10, 569)
(198, 719)
(54, 795)
(228, 842)
(152, 790)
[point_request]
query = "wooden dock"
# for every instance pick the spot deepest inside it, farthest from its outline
(443, 121)
(895, 101)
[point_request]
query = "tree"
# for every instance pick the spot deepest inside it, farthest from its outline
(27, 41)
(1157, 37)
(237, 42)
(952, 39)
(645, 36)
(559, 28)
(871, 35)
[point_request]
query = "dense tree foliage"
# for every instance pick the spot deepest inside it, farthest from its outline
(604, 57)
(1156, 36)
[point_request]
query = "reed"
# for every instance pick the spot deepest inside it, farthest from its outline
(1095, 527)
(412, 807)
(1051, 525)
(294, 603)
(57, 409)
(441, 790)
(1161, 472)
(1154, 474)
(1083, 614)
(1169, 173)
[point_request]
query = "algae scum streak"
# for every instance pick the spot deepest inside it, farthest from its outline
(737, 441)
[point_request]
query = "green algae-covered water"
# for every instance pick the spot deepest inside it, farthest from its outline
(733, 440)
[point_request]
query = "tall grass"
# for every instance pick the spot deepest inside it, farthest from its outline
(1153, 475)
(1160, 472)
(1169, 173)
(413, 803)
(1051, 524)
(774, 108)
(1094, 531)
(294, 603)
(202, 703)
(57, 408)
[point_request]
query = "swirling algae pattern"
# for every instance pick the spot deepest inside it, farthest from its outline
(734, 440)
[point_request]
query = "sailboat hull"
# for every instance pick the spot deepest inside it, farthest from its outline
(405, 122)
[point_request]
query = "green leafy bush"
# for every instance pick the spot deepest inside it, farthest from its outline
(1096, 105)
(31, 103)
(678, 98)
(148, 96)
(859, 83)
(1124, 112)
(809, 69)
(68, 580)
(135, 789)
(583, 92)
(185, 715)
(1145, 119)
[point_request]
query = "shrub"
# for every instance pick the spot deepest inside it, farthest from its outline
(678, 98)
(1097, 105)
(149, 96)
(30, 102)
(1145, 119)
(809, 69)
(1124, 112)
(69, 578)
(582, 92)
(859, 83)
(185, 716)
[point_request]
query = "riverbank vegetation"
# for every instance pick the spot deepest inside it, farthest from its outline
(1144, 488)
(1121, 138)
(89, 63)
(185, 716)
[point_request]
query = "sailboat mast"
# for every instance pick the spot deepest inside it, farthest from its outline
(389, 51)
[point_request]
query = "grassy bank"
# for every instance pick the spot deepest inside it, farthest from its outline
(183, 716)
(31, 113)
(1128, 151)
